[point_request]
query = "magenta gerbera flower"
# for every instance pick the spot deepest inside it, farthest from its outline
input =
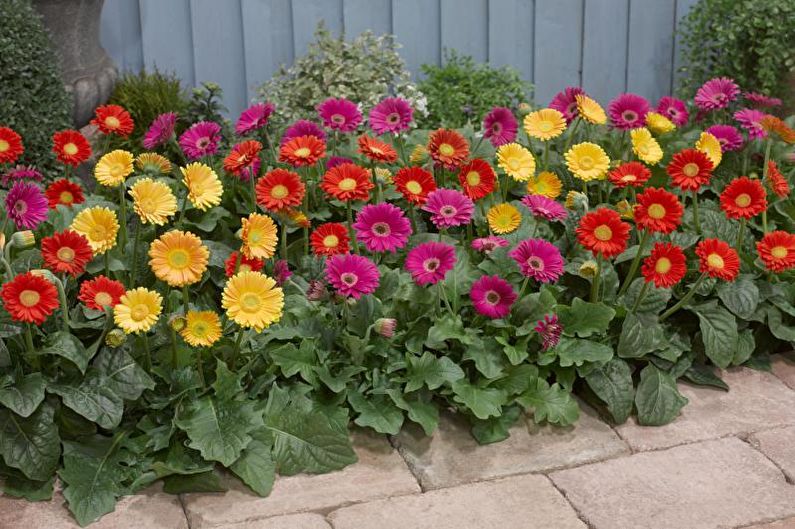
(751, 120)
(303, 127)
(334, 161)
(492, 296)
(565, 102)
(628, 111)
(674, 109)
(538, 259)
(716, 93)
(352, 275)
(488, 244)
(429, 262)
(382, 227)
(22, 172)
(393, 114)
(160, 131)
(500, 126)
(339, 114)
(544, 207)
(729, 137)
(550, 330)
(254, 118)
(449, 207)
(281, 272)
(762, 100)
(26, 205)
(200, 140)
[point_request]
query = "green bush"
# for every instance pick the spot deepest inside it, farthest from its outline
(33, 100)
(461, 91)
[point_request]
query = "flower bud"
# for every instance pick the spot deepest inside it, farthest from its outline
(625, 209)
(2, 241)
(177, 322)
(23, 239)
(316, 290)
(46, 274)
(115, 338)
(418, 155)
(281, 272)
(576, 201)
(383, 174)
(588, 269)
(385, 327)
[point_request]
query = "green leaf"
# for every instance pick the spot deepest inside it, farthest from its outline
(208, 220)
(61, 343)
(657, 398)
(30, 444)
(584, 319)
(495, 429)
(487, 355)
(94, 399)
(420, 409)
(517, 379)
(377, 412)
(23, 396)
(705, 376)
(550, 403)
(718, 332)
(655, 300)
(20, 487)
(431, 371)
(740, 296)
(746, 344)
(482, 402)
(517, 352)
(446, 328)
(292, 359)
(641, 334)
(186, 483)
(572, 351)
(779, 326)
(256, 466)
(612, 383)
(122, 373)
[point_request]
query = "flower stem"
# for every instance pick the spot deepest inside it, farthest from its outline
(685, 298)
(695, 212)
(107, 264)
(350, 226)
(29, 339)
(641, 295)
(253, 188)
(136, 242)
(768, 147)
(443, 295)
(524, 285)
(740, 236)
(200, 366)
(633, 269)
(284, 240)
(123, 211)
(596, 280)
(546, 155)
(64, 306)
(185, 298)
(571, 134)
(236, 350)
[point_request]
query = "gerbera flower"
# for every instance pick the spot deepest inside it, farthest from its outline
(550, 330)
(544, 207)
(153, 164)
(590, 110)
(777, 182)
(280, 189)
(538, 259)
(743, 198)
(499, 126)
(477, 178)
(243, 161)
(153, 201)
(628, 111)
(603, 232)
(658, 211)
(252, 299)
(393, 114)
(689, 169)
(762, 100)
(334, 161)
(449, 208)
(281, 272)
(101, 292)
(429, 262)
(66, 252)
(565, 102)
(99, 225)
(503, 218)
(587, 161)
(339, 114)
(659, 124)
(303, 127)
(179, 258)
(545, 183)
(329, 239)
(633, 174)
(113, 168)
(729, 137)
(204, 186)
(202, 328)
(302, 151)
(492, 296)
(259, 236)
(200, 139)
(29, 298)
(63, 191)
(716, 93)
(71, 147)
(414, 183)
(674, 109)
(10, 145)
(751, 120)
(777, 251)
(138, 310)
(516, 161)
(352, 275)
(448, 148)
(161, 130)
(347, 182)
(645, 146)
(253, 118)
(709, 145)
(489, 244)
(113, 119)
(26, 205)
(777, 126)
(246, 264)
(665, 266)
(544, 124)
(376, 150)
(382, 227)
(21, 172)
(717, 259)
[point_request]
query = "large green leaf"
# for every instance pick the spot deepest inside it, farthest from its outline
(612, 383)
(420, 408)
(572, 351)
(641, 334)
(24, 395)
(377, 412)
(94, 399)
(30, 444)
(446, 328)
(122, 373)
(482, 402)
(495, 429)
(585, 319)
(746, 344)
(550, 403)
(779, 326)
(657, 398)
(292, 359)
(61, 343)
(431, 371)
(487, 354)
(718, 332)
(256, 466)
(740, 296)
(654, 301)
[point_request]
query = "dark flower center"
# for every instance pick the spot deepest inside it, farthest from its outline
(431, 265)
(381, 229)
(349, 278)
(447, 211)
(202, 143)
(393, 118)
(339, 119)
(492, 297)
(496, 128)
(535, 262)
(20, 206)
(629, 116)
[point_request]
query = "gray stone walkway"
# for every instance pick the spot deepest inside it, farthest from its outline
(727, 463)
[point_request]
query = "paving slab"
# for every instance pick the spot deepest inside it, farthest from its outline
(379, 473)
(755, 401)
(784, 368)
(453, 457)
(779, 446)
(521, 502)
(715, 484)
(789, 523)
(291, 521)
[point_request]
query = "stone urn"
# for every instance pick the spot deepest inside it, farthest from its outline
(88, 72)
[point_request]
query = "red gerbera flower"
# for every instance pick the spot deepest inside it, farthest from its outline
(29, 298)
(63, 191)
(777, 250)
(778, 183)
(10, 145)
(101, 292)
(347, 181)
(113, 119)
(414, 183)
(658, 211)
(666, 266)
(243, 157)
(71, 147)
(718, 259)
(247, 264)
(66, 252)
(690, 169)
(376, 150)
(477, 178)
(633, 174)
(280, 189)
(743, 198)
(448, 148)
(330, 239)
(303, 150)
(603, 232)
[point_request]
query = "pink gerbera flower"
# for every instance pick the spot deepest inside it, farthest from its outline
(429, 262)
(716, 93)
(544, 207)
(334, 161)
(628, 111)
(382, 227)
(538, 259)
(565, 102)
(550, 330)
(729, 137)
(22, 172)
(160, 131)
(303, 127)
(492, 296)
(26, 205)
(449, 207)
(254, 118)
(352, 275)
(393, 114)
(762, 100)
(489, 244)
(200, 140)
(674, 109)
(339, 114)
(500, 126)
(751, 120)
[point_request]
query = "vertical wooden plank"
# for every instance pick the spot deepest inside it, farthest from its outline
(267, 39)
(604, 48)
(307, 14)
(558, 47)
(465, 27)
(417, 26)
(682, 9)
(167, 39)
(361, 15)
(650, 57)
(511, 35)
(120, 34)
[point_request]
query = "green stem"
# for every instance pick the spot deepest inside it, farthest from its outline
(685, 298)
(633, 269)
(443, 295)
(413, 217)
(641, 295)
(200, 367)
(185, 298)
(106, 257)
(740, 236)
(546, 155)
(524, 285)
(571, 134)
(284, 240)
(136, 243)
(123, 211)
(596, 280)
(236, 350)
(695, 212)
(148, 354)
(9, 271)
(768, 147)
(64, 306)
(350, 226)
(29, 339)
(253, 188)
(182, 211)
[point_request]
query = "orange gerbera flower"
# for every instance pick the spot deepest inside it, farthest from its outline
(658, 211)
(242, 158)
(330, 239)
(718, 259)
(603, 232)
(743, 198)
(777, 251)
(477, 178)
(113, 119)
(690, 169)
(777, 182)
(376, 150)
(777, 126)
(10, 145)
(666, 266)
(280, 189)
(414, 183)
(347, 181)
(71, 147)
(29, 298)
(448, 148)
(302, 151)
(247, 264)
(101, 292)
(66, 252)
(633, 174)
(63, 191)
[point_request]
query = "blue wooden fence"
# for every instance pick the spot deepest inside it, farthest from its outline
(606, 46)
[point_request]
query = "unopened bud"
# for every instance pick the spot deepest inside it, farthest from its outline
(385, 327)
(281, 272)
(576, 201)
(418, 155)
(46, 274)
(524, 108)
(177, 322)
(588, 269)
(23, 239)
(316, 290)
(625, 209)
(115, 338)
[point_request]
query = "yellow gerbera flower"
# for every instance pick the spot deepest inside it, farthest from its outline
(138, 310)
(153, 201)
(252, 299)
(544, 124)
(178, 257)
(99, 225)
(204, 187)
(259, 236)
(645, 146)
(590, 110)
(546, 183)
(709, 145)
(202, 328)
(516, 161)
(588, 161)
(112, 169)
(504, 218)
(658, 123)
(153, 163)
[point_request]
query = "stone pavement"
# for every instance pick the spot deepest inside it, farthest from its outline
(728, 462)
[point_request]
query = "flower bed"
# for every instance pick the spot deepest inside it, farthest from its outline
(236, 302)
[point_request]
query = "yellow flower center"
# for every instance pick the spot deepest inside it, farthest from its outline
(603, 233)
(629, 178)
(643, 149)
(303, 152)
(98, 233)
(473, 178)
(70, 148)
(178, 259)
(29, 298)
(690, 169)
(514, 164)
(279, 191)
(199, 329)
(586, 163)
(250, 302)
(244, 268)
(656, 211)
(743, 200)
(254, 236)
(147, 204)
(4, 145)
(116, 170)
(545, 126)
(66, 254)
(414, 187)
(376, 150)
(139, 312)
(347, 184)
(663, 265)
(66, 197)
(446, 149)
(779, 252)
(112, 122)
(103, 298)
(331, 241)
(715, 261)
